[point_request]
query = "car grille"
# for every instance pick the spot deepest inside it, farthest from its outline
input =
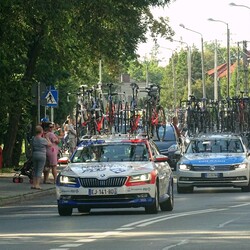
(216, 168)
(213, 180)
(110, 182)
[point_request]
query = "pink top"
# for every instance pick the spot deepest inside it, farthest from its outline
(52, 152)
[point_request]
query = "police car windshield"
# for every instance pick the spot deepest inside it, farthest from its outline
(111, 153)
(215, 146)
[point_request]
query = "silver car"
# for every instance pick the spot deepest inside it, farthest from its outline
(215, 160)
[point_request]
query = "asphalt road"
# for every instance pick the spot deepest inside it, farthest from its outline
(207, 219)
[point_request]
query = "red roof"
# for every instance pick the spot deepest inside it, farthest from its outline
(222, 70)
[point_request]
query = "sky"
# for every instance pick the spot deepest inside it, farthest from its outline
(194, 14)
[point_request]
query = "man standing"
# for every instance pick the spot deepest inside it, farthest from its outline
(72, 135)
(177, 130)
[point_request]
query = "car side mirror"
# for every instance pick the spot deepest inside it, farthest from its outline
(161, 158)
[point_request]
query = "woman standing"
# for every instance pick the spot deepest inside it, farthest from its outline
(52, 153)
(39, 145)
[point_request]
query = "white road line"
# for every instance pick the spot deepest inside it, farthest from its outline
(146, 222)
(71, 245)
(225, 223)
(176, 245)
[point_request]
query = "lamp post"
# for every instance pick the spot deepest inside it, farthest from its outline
(228, 53)
(188, 64)
(202, 60)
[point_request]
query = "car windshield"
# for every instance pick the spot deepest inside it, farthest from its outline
(215, 146)
(170, 134)
(111, 152)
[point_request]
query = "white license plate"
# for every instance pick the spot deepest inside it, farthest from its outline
(213, 175)
(102, 191)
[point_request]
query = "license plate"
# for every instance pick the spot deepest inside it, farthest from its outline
(102, 191)
(212, 175)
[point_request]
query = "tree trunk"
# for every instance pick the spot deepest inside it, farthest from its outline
(15, 114)
(11, 137)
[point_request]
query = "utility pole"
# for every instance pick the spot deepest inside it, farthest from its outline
(245, 67)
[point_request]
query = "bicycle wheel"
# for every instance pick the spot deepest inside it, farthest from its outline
(120, 120)
(161, 123)
(126, 118)
(150, 117)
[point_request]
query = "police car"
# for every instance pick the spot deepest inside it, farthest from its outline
(214, 160)
(115, 172)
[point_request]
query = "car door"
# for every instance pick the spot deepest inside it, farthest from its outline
(164, 171)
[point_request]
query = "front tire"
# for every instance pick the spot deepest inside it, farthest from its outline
(246, 188)
(184, 190)
(168, 205)
(64, 211)
(154, 208)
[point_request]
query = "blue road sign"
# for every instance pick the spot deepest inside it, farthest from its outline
(51, 98)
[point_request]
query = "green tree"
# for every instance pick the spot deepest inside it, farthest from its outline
(60, 43)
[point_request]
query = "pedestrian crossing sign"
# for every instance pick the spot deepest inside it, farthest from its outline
(52, 98)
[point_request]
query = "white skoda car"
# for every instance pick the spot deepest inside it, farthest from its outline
(115, 173)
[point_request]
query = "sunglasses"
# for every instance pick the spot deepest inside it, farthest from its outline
(50, 126)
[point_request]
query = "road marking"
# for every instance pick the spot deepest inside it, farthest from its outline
(225, 223)
(176, 245)
(71, 245)
(147, 222)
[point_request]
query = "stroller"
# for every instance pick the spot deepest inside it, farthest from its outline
(26, 170)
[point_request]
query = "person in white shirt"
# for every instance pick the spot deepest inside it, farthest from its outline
(72, 135)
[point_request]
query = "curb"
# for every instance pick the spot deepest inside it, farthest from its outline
(25, 197)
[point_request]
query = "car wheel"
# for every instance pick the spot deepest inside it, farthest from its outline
(83, 210)
(246, 188)
(154, 208)
(184, 190)
(168, 205)
(64, 211)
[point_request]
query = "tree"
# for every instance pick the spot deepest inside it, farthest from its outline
(60, 43)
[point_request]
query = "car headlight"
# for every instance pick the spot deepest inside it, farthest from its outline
(173, 147)
(67, 180)
(242, 165)
(184, 167)
(141, 179)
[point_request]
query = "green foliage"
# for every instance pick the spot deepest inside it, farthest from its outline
(60, 43)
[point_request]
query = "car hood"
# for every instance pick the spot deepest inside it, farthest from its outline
(106, 169)
(164, 145)
(207, 159)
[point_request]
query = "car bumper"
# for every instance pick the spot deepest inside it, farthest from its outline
(220, 179)
(137, 196)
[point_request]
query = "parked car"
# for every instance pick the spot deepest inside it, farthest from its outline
(214, 160)
(171, 146)
(114, 173)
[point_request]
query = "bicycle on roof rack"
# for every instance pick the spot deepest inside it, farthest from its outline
(153, 118)
(134, 111)
(92, 112)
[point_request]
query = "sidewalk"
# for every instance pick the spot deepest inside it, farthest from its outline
(12, 193)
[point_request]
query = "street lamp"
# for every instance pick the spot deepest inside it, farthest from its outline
(189, 65)
(202, 60)
(228, 52)
(239, 5)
